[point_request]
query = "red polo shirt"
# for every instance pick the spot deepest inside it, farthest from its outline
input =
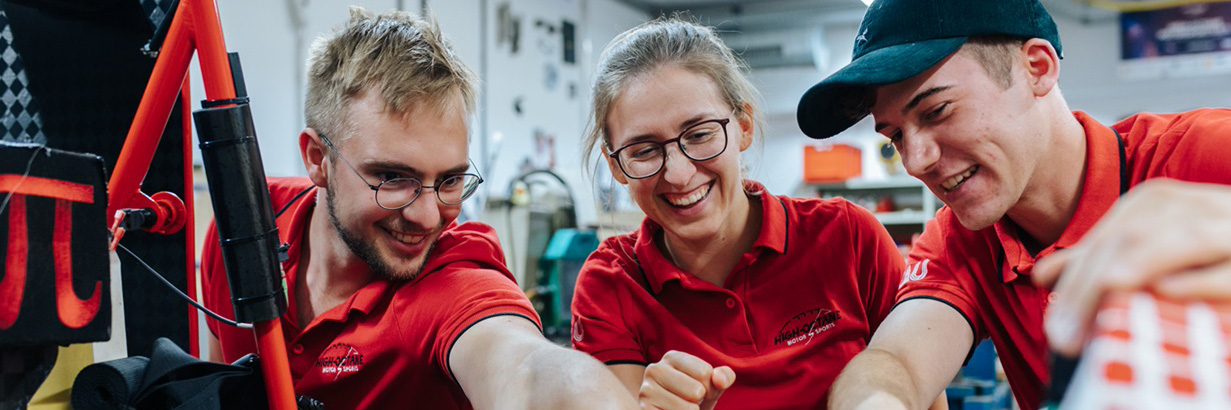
(985, 274)
(388, 345)
(806, 298)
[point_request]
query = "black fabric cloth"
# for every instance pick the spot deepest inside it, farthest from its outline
(169, 379)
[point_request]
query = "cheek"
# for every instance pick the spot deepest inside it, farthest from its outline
(642, 190)
(448, 214)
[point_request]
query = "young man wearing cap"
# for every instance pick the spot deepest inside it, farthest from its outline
(391, 303)
(967, 91)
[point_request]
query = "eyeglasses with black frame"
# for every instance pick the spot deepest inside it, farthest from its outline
(702, 141)
(398, 193)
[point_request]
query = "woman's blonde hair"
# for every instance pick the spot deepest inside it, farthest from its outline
(667, 41)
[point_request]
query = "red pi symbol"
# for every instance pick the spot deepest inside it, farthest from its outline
(73, 311)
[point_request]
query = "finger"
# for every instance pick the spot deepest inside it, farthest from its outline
(654, 396)
(673, 382)
(1078, 290)
(723, 378)
(1210, 282)
(693, 366)
(1048, 269)
(1130, 261)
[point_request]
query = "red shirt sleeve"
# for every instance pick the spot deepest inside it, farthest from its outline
(599, 322)
(880, 264)
(938, 269)
(467, 283)
(1191, 146)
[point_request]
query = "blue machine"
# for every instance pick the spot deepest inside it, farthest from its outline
(558, 269)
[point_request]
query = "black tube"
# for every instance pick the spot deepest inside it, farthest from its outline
(242, 211)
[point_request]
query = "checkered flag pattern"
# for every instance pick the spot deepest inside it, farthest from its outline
(1149, 353)
(156, 10)
(20, 119)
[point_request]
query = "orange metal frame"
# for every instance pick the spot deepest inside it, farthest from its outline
(195, 27)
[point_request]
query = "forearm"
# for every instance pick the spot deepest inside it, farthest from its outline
(876, 379)
(553, 377)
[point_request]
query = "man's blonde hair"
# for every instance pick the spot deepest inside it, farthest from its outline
(402, 56)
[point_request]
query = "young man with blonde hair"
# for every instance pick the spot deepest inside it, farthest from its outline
(392, 303)
(967, 90)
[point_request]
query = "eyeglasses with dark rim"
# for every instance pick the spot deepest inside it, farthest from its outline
(702, 141)
(397, 193)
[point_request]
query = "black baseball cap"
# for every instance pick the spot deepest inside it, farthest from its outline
(901, 38)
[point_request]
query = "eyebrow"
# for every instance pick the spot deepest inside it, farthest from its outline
(921, 96)
(394, 166)
(683, 126)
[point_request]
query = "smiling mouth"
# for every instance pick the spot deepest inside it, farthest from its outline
(406, 238)
(957, 180)
(684, 201)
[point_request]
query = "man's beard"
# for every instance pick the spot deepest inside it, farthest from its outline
(367, 252)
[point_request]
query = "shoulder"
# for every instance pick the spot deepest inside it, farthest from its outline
(1194, 120)
(944, 236)
(613, 263)
(814, 212)
(1191, 145)
(282, 189)
(467, 245)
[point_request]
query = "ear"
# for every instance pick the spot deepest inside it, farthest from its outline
(1042, 66)
(313, 151)
(747, 126)
(614, 167)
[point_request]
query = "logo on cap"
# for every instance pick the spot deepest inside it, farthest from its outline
(861, 39)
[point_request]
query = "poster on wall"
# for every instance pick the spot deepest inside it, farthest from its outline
(1184, 41)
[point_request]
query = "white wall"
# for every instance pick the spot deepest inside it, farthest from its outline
(273, 37)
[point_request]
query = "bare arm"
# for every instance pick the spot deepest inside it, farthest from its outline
(630, 375)
(912, 357)
(504, 362)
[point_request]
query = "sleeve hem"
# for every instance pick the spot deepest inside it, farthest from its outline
(452, 343)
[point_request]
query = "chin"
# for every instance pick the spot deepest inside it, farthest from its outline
(976, 220)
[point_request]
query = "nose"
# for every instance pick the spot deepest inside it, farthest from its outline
(919, 153)
(424, 212)
(677, 167)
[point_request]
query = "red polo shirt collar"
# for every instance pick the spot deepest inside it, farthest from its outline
(1099, 191)
(364, 300)
(659, 269)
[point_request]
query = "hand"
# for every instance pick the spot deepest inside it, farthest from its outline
(1168, 236)
(683, 381)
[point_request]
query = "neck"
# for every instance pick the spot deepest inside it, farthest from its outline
(713, 258)
(1048, 203)
(329, 273)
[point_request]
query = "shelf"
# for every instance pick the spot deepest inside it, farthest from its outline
(907, 217)
(897, 182)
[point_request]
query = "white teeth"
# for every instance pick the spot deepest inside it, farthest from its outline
(411, 239)
(951, 183)
(691, 199)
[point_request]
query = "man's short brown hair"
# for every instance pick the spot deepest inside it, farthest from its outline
(996, 54)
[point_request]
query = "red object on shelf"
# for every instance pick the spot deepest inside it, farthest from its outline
(832, 162)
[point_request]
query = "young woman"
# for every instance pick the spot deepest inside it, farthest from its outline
(725, 289)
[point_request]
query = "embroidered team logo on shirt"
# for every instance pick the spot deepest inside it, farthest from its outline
(803, 327)
(338, 359)
(915, 272)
